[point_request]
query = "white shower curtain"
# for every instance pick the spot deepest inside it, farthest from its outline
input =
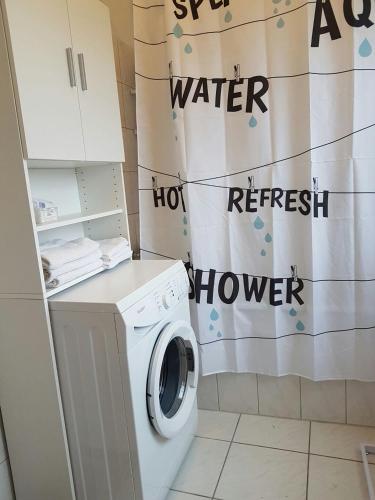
(256, 132)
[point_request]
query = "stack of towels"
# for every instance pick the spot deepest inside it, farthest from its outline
(64, 261)
(114, 251)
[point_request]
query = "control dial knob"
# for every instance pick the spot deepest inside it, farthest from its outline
(167, 300)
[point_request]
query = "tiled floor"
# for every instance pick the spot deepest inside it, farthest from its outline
(249, 457)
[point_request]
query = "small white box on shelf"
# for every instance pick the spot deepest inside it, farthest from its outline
(47, 214)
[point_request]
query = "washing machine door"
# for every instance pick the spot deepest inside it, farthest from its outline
(173, 378)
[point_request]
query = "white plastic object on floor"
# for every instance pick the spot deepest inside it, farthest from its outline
(368, 449)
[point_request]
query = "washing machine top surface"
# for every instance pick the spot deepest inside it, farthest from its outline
(116, 289)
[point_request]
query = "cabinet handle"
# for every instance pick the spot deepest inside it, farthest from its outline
(82, 71)
(72, 72)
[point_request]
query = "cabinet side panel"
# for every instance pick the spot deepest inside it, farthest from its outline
(31, 405)
(88, 362)
(19, 267)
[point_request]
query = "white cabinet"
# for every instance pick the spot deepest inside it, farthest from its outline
(65, 79)
(40, 34)
(92, 42)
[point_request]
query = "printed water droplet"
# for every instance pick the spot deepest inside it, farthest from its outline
(288, 2)
(365, 48)
(280, 23)
(176, 137)
(300, 326)
(268, 238)
(292, 312)
(185, 221)
(219, 334)
(188, 49)
(263, 253)
(276, 1)
(214, 315)
(275, 10)
(174, 115)
(185, 232)
(211, 327)
(177, 31)
(253, 122)
(258, 223)
(228, 17)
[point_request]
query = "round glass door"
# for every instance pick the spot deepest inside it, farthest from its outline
(172, 378)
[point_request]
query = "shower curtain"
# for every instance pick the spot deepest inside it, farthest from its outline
(256, 132)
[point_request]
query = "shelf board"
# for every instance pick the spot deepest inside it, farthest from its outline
(76, 219)
(50, 164)
(53, 291)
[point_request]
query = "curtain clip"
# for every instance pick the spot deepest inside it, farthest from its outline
(294, 273)
(237, 74)
(251, 183)
(316, 185)
(155, 182)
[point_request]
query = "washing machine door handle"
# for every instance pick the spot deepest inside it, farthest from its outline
(170, 397)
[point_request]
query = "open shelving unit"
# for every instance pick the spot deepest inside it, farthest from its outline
(90, 199)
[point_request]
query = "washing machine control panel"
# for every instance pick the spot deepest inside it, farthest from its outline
(155, 306)
(173, 292)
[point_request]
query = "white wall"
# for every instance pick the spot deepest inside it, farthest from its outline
(342, 401)
(6, 488)
(122, 29)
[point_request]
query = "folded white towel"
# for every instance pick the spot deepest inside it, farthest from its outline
(120, 257)
(123, 251)
(113, 246)
(58, 256)
(57, 242)
(51, 274)
(77, 273)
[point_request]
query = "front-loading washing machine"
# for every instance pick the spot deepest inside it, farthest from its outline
(127, 361)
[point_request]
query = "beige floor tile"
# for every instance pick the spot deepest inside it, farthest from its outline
(279, 396)
(323, 400)
(217, 424)
(253, 473)
(238, 392)
(177, 495)
(283, 433)
(360, 402)
(207, 393)
(340, 441)
(336, 479)
(200, 471)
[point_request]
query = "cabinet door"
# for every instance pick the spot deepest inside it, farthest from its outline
(40, 35)
(92, 42)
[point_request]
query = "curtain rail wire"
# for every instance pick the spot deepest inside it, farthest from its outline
(299, 334)
(229, 28)
(309, 280)
(276, 77)
(269, 164)
(148, 6)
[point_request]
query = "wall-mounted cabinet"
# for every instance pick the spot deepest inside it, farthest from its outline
(63, 63)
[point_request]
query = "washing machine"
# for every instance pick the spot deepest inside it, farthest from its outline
(127, 361)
